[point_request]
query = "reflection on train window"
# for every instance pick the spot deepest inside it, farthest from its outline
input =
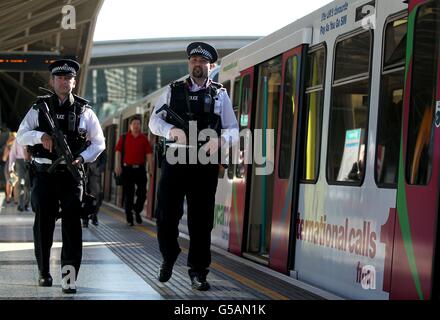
(423, 95)
(235, 105)
(395, 43)
(290, 98)
(227, 86)
(353, 57)
(268, 103)
(349, 111)
(313, 118)
(262, 186)
(391, 104)
(245, 100)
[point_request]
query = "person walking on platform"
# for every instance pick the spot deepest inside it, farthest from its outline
(94, 186)
(18, 158)
(132, 151)
(199, 99)
(58, 193)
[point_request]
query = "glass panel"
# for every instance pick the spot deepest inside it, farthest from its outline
(316, 64)
(290, 83)
(423, 95)
(353, 56)
(389, 128)
(348, 125)
(314, 104)
(246, 98)
(235, 105)
(227, 86)
(313, 130)
(395, 42)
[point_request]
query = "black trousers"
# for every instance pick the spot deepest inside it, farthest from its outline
(134, 177)
(198, 183)
(50, 193)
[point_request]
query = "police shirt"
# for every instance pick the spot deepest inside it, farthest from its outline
(222, 107)
(27, 136)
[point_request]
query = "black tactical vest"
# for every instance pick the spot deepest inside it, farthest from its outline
(195, 106)
(68, 116)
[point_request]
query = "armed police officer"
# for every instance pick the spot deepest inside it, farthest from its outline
(57, 193)
(206, 102)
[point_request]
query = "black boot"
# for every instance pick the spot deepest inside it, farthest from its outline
(45, 280)
(165, 272)
(199, 282)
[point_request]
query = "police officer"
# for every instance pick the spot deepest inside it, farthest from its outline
(199, 99)
(58, 194)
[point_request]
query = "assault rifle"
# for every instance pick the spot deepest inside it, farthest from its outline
(184, 124)
(62, 149)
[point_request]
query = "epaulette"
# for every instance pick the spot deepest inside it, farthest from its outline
(44, 98)
(176, 83)
(80, 100)
(217, 85)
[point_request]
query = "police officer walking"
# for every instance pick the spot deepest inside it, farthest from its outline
(58, 193)
(199, 99)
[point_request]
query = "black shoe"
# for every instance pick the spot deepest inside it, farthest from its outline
(165, 272)
(130, 223)
(199, 283)
(19, 208)
(85, 223)
(138, 218)
(45, 280)
(94, 219)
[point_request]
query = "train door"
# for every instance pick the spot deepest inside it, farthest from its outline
(240, 181)
(263, 176)
(285, 160)
(415, 251)
(151, 190)
(109, 184)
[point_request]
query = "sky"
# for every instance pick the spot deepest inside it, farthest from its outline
(139, 19)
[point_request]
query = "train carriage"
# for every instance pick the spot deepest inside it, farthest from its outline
(331, 86)
(340, 185)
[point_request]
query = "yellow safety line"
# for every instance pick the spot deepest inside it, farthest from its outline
(244, 280)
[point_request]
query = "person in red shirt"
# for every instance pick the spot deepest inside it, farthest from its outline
(137, 150)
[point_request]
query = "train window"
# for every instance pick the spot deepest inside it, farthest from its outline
(268, 104)
(314, 99)
(423, 94)
(349, 110)
(395, 43)
(236, 96)
(245, 100)
(290, 94)
(353, 57)
(227, 86)
(391, 104)
(235, 104)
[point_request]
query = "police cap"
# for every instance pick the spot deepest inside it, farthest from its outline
(202, 49)
(64, 67)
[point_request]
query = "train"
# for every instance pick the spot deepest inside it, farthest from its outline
(348, 100)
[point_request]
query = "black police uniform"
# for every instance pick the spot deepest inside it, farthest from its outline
(197, 182)
(57, 194)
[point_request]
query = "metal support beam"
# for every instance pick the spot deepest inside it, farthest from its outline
(17, 84)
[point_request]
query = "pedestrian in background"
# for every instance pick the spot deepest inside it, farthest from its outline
(133, 151)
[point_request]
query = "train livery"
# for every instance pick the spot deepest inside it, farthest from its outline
(351, 93)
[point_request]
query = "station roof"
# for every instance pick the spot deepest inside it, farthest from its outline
(122, 52)
(32, 34)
